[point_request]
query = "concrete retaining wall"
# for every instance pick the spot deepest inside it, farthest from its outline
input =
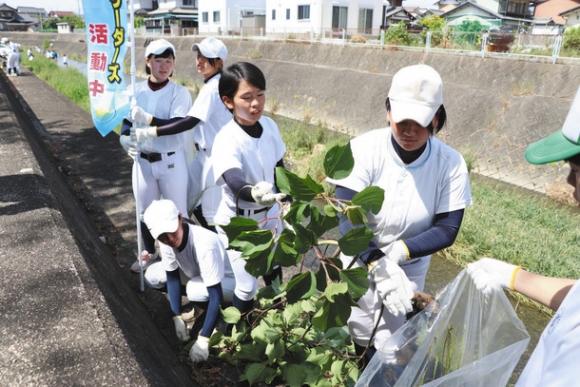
(495, 107)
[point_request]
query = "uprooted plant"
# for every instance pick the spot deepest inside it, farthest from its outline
(297, 335)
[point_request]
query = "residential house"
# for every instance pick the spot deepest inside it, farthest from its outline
(325, 17)
(447, 5)
(232, 17)
(572, 17)
(546, 26)
(59, 14)
(396, 15)
(11, 20)
(173, 17)
(143, 7)
(505, 14)
(553, 9)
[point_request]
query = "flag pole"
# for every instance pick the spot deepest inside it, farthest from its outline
(136, 162)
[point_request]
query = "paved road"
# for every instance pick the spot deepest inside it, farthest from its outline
(71, 312)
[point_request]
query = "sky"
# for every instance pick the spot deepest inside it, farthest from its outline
(48, 5)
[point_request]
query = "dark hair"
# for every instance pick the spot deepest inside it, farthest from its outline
(164, 54)
(238, 72)
(441, 117)
(575, 159)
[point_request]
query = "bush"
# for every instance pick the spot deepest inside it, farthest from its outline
(398, 35)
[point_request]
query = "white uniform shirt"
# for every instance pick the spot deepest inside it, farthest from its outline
(171, 101)
(437, 182)
(554, 360)
(213, 113)
(203, 255)
(256, 157)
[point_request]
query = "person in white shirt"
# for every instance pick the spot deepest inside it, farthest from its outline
(555, 358)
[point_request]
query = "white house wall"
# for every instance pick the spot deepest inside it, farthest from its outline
(492, 5)
(230, 14)
(320, 15)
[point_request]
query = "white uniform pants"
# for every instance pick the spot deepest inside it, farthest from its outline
(165, 178)
(156, 277)
(362, 320)
(247, 284)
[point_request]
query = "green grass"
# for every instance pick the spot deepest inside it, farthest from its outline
(67, 81)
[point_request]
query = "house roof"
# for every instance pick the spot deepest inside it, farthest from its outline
(569, 11)
(544, 21)
(493, 15)
(61, 13)
(31, 10)
(401, 11)
(174, 11)
(6, 6)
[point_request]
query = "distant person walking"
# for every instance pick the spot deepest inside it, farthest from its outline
(64, 60)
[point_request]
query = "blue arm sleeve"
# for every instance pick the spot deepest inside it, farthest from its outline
(441, 235)
(174, 125)
(126, 127)
(213, 309)
(174, 291)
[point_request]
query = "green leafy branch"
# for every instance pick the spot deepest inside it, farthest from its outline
(298, 333)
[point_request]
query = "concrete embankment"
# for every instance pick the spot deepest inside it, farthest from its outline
(496, 107)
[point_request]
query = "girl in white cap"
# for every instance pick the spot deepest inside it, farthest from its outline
(162, 164)
(426, 187)
(555, 358)
(207, 116)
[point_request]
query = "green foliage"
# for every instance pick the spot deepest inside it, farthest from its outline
(435, 25)
(468, 33)
(571, 39)
(139, 21)
(298, 335)
(398, 35)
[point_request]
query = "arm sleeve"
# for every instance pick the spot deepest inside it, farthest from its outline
(441, 235)
(235, 180)
(174, 291)
(213, 309)
(175, 126)
(372, 253)
(126, 127)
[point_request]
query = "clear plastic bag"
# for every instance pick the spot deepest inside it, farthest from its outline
(464, 338)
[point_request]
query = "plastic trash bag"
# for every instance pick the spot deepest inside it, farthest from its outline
(464, 338)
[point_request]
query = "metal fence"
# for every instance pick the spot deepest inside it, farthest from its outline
(520, 46)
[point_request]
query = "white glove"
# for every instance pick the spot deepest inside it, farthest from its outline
(490, 273)
(397, 252)
(200, 350)
(129, 145)
(263, 195)
(393, 286)
(140, 115)
(141, 134)
(180, 329)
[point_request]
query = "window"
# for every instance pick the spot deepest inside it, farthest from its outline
(288, 14)
(304, 12)
(188, 3)
(204, 17)
(365, 20)
(216, 16)
(339, 17)
(273, 14)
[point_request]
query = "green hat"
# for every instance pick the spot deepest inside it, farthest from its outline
(561, 145)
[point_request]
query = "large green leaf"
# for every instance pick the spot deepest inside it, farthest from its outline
(357, 281)
(238, 225)
(285, 254)
(261, 264)
(370, 199)
(338, 162)
(326, 274)
(334, 289)
(356, 215)
(320, 356)
(231, 315)
(298, 211)
(275, 351)
(320, 223)
(356, 240)
(299, 188)
(301, 286)
(259, 372)
(253, 243)
(333, 314)
(294, 374)
(305, 239)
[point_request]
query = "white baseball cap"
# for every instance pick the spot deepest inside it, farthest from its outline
(161, 216)
(4, 40)
(562, 144)
(416, 94)
(158, 47)
(211, 48)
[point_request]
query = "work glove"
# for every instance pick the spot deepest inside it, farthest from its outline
(397, 252)
(489, 274)
(263, 195)
(200, 350)
(140, 115)
(180, 328)
(393, 286)
(129, 145)
(141, 134)
(189, 318)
